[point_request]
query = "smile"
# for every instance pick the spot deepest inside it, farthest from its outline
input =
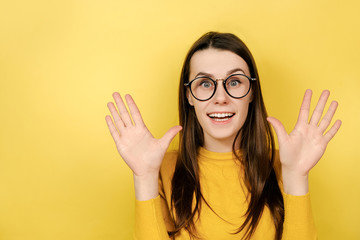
(221, 117)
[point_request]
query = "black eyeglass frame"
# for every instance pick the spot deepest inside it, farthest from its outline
(224, 84)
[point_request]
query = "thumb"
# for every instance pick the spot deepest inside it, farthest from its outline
(279, 128)
(169, 135)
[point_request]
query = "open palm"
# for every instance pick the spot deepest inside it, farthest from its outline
(140, 150)
(304, 146)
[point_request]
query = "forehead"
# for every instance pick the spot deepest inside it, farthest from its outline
(216, 62)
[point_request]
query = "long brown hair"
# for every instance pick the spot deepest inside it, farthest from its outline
(256, 144)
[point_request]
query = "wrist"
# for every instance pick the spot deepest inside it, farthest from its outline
(295, 183)
(146, 186)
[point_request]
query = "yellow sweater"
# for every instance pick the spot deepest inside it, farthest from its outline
(223, 187)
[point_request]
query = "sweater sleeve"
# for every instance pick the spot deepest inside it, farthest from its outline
(298, 219)
(149, 220)
(152, 217)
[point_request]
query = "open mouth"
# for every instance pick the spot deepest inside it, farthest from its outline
(220, 117)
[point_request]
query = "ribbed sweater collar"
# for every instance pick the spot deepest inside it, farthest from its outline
(206, 154)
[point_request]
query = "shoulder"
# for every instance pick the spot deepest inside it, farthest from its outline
(167, 170)
(169, 163)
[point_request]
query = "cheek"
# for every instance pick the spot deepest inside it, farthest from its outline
(243, 113)
(245, 109)
(200, 112)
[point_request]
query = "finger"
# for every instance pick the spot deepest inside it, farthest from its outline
(169, 136)
(332, 131)
(124, 114)
(325, 122)
(118, 122)
(305, 107)
(318, 111)
(114, 133)
(279, 128)
(134, 110)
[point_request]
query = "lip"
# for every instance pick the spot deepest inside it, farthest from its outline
(221, 122)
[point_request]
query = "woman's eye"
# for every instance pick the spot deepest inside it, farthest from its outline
(206, 84)
(234, 83)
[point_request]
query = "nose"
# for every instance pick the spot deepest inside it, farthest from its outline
(220, 96)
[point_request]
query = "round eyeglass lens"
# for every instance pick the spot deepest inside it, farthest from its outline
(203, 88)
(237, 85)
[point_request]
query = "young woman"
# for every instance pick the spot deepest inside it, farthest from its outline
(225, 181)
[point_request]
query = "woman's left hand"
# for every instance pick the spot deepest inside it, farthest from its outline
(301, 150)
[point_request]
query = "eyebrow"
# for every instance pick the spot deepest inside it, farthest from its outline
(228, 73)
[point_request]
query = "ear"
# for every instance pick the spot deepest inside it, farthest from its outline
(251, 96)
(189, 97)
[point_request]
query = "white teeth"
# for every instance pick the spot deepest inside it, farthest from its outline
(220, 115)
(221, 119)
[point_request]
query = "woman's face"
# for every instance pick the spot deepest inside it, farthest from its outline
(222, 116)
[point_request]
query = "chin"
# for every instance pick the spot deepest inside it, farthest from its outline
(223, 137)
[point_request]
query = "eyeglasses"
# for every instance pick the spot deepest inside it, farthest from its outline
(236, 86)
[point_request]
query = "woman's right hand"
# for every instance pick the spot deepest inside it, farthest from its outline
(140, 150)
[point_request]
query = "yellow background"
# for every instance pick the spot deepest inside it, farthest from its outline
(60, 174)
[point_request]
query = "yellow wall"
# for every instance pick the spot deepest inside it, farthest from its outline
(60, 174)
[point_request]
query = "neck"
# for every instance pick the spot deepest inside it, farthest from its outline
(220, 145)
